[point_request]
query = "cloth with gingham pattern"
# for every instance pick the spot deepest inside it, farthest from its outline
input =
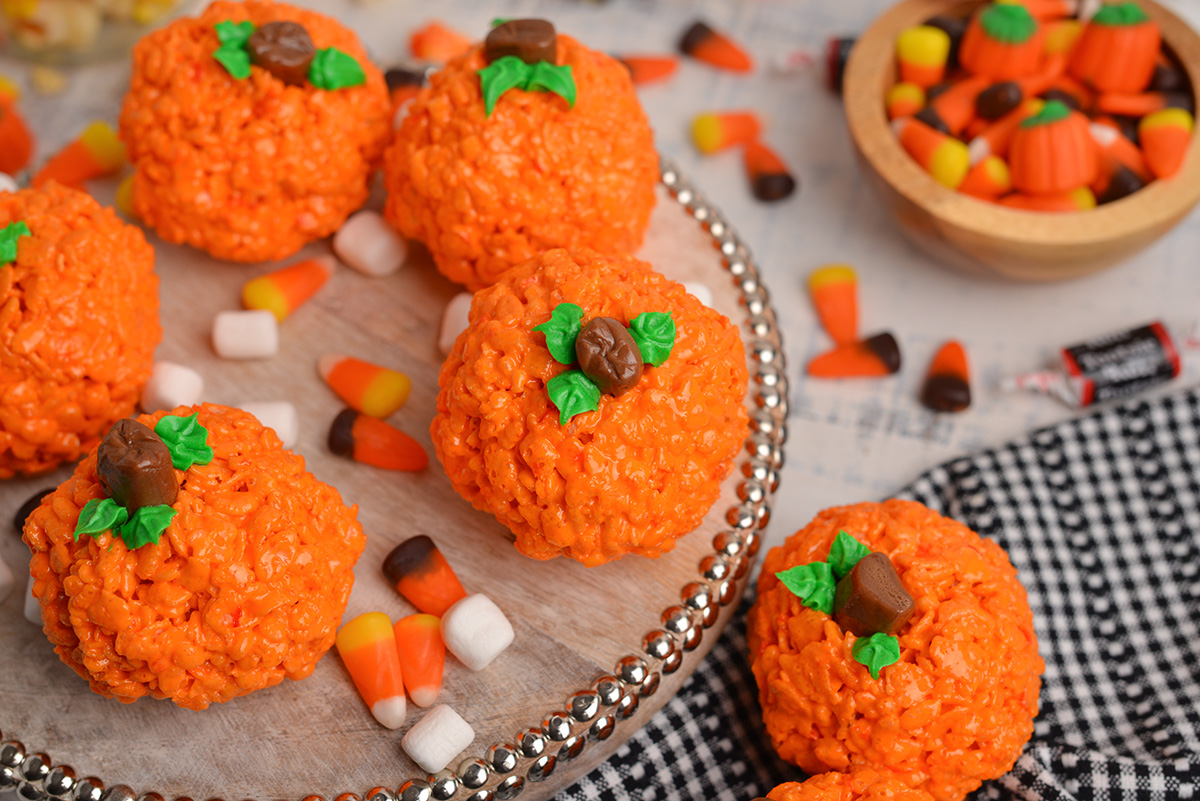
(1101, 516)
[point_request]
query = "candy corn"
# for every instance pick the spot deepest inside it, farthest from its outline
(649, 69)
(403, 85)
(715, 49)
(988, 180)
(436, 42)
(947, 385)
(873, 357)
(283, 291)
(996, 138)
(96, 153)
(1116, 182)
(834, 292)
(419, 572)
(714, 131)
(16, 143)
(956, 106)
(945, 158)
(1080, 199)
(422, 656)
(769, 176)
(1139, 105)
(374, 442)
(365, 387)
(1114, 147)
(923, 52)
(1061, 35)
(367, 646)
(124, 196)
(904, 100)
(1165, 136)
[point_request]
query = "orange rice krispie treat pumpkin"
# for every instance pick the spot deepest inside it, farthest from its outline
(78, 325)
(191, 557)
(592, 405)
(489, 183)
(887, 636)
(861, 784)
(253, 128)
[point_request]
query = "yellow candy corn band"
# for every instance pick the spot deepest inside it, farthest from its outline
(102, 143)
(997, 171)
(263, 293)
(386, 392)
(366, 629)
(923, 46)
(906, 91)
(1083, 197)
(1176, 117)
(831, 274)
(949, 163)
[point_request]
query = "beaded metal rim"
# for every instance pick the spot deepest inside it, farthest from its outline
(505, 769)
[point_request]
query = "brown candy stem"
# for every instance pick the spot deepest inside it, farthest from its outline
(608, 355)
(870, 598)
(135, 467)
(283, 49)
(531, 40)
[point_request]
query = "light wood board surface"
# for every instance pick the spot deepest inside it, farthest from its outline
(315, 736)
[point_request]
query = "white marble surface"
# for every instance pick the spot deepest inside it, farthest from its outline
(848, 441)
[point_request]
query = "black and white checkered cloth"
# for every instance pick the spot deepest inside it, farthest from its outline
(1101, 517)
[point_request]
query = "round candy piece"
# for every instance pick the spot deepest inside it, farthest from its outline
(608, 355)
(283, 49)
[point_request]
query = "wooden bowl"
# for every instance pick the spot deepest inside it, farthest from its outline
(985, 237)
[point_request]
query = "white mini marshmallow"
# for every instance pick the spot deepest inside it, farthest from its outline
(476, 631)
(368, 244)
(6, 581)
(245, 334)
(278, 415)
(33, 609)
(454, 320)
(436, 739)
(8, 183)
(171, 385)
(700, 291)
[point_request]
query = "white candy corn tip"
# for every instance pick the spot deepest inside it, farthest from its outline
(8, 183)
(326, 363)
(978, 150)
(1103, 134)
(454, 321)
(424, 696)
(899, 124)
(390, 712)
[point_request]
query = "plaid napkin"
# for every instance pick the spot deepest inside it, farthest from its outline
(1101, 516)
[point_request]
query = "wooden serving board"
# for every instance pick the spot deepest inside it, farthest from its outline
(316, 736)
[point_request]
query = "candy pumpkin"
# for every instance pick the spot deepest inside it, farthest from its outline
(1053, 152)
(1002, 43)
(1118, 50)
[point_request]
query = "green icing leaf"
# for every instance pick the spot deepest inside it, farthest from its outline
(496, 78)
(100, 515)
(813, 584)
(1052, 112)
(332, 69)
(234, 59)
(9, 235)
(234, 34)
(876, 652)
(1010, 24)
(186, 439)
(572, 393)
(146, 525)
(546, 77)
(561, 331)
(498, 21)
(845, 553)
(1120, 14)
(654, 333)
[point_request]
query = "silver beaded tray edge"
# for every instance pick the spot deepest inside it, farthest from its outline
(505, 769)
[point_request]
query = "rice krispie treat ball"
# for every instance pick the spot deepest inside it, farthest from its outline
(254, 128)
(78, 325)
(593, 406)
(191, 557)
(488, 188)
(940, 692)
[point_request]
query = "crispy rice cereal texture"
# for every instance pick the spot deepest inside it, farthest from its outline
(488, 193)
(247, 170)
(861, 784)
(78, 327)
(958, 706)
(632, 476)
(245, 588)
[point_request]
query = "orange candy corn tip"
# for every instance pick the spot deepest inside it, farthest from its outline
(422, 656)
(871, 358)
(367, 646)
(834, 292)
(97, 152)
(436, 42)
(714, 131)
(649, 69)
(365, 387)
(715, 49)
(283, 291)
(947, 385)
(374, 442)
(419, 572)
(1165, 136)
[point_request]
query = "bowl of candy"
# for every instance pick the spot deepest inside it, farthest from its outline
(78, 31)
(1038, 140)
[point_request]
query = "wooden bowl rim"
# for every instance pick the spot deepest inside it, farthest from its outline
(870, 71)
